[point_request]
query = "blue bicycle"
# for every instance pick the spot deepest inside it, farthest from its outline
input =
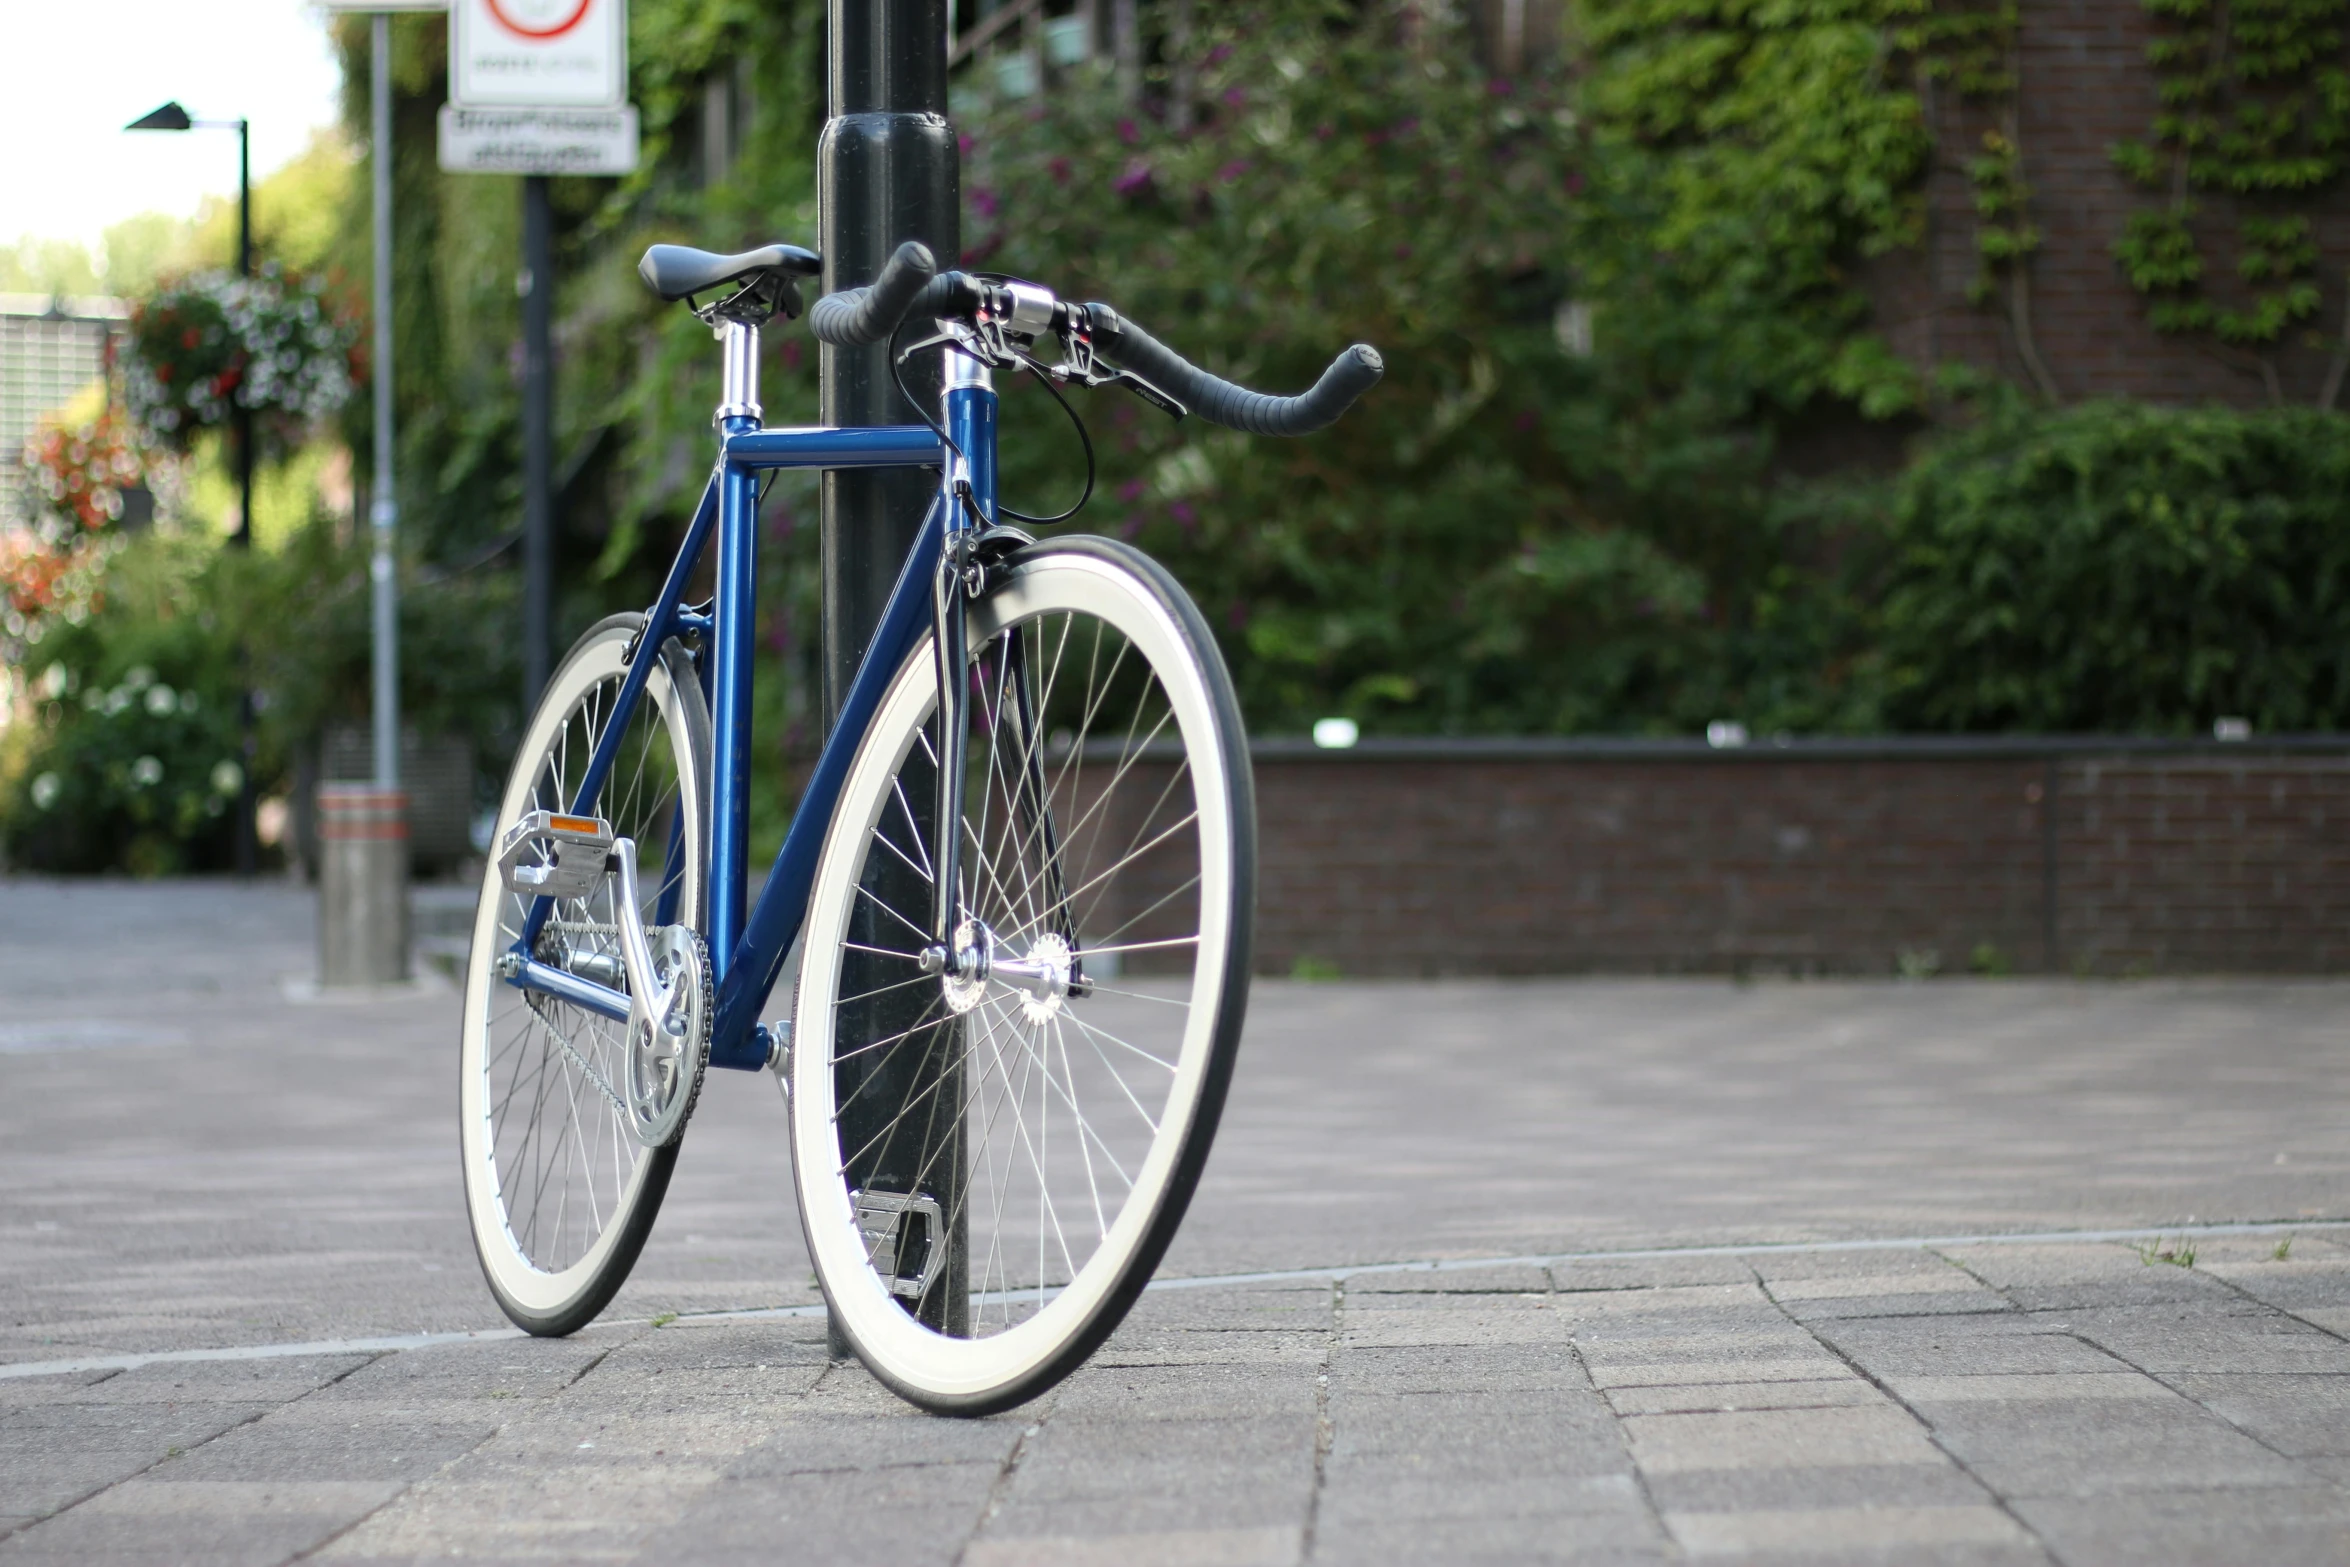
(1018, 887)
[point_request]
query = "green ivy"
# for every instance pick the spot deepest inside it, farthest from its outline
(2255, 105)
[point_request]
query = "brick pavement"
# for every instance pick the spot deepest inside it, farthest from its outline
(1719, 1340)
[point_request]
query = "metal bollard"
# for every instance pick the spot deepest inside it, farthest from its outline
(362, 885)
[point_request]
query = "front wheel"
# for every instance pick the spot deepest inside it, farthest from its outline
(991, 1162)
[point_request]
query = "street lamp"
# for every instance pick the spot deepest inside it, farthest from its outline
(171, 117)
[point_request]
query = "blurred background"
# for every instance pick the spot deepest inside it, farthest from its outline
(1857, 487)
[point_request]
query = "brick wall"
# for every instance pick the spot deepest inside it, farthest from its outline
(2085, 85)
(1837, 857)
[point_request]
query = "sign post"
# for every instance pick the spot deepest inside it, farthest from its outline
(363, 876)
(538, 88)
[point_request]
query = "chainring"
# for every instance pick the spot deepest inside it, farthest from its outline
(665, 1067)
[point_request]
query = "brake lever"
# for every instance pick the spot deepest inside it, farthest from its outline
(988, 343)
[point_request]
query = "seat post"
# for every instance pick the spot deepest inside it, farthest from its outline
(739, 395)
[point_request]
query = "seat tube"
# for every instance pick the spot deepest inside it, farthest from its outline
(734, 635)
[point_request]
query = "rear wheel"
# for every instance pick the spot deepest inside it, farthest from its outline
(560, 1190)
(991, 1164)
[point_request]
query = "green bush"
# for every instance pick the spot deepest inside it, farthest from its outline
(2121, 567)
(132, 757)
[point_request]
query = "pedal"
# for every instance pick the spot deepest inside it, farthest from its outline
(905, 1239)
(548, 854)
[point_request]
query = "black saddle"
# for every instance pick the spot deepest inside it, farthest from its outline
(768, 276)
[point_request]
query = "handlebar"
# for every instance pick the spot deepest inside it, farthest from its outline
(910, 283)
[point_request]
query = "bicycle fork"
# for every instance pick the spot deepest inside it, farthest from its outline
(964, 949)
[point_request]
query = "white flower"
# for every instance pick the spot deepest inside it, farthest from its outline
(47, 788)
(137, 678)
(227, 777)
(187, 701)
(147, 772)
(54, 680)
(162, 700)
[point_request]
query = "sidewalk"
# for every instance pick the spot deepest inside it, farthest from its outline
(1734, 1273)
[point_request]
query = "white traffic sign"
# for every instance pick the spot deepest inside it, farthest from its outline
(538, 141)
(538, 53)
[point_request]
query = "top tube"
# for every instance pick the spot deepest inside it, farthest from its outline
(820, 446)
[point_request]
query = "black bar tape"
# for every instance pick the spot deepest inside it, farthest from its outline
(1217, 400)
(855, 316)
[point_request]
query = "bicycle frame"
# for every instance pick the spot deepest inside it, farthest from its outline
(748, 948)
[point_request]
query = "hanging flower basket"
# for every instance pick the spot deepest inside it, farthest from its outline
(208, 345)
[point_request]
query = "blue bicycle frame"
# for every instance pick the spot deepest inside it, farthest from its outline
(747, 953)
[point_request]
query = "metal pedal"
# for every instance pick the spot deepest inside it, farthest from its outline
(905, 1239)
(549, 854)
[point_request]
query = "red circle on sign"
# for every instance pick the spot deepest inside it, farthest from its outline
(524, 30)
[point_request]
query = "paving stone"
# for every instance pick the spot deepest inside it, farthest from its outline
(53, 1455)
(1826, 1531)
(2017, 1345)
(1407, 1329)
(1615, 1536)
(1588, 1274)
(1220, 1460)
(1465, 1368)
(200, 1523)
(2084, 1447)
(1731, 1397)
(2194, 1524)
(1359, 1493)
(2239, 1338)
(326, 1444)
(1772, 1365)
(1782, 1438)
(1273, 1546)
(908, 1516)
(1815, 1486)
(1520, 1280)
(2306, 1416)
(2063, 1386)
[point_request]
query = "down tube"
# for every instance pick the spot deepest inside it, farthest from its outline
(783, 903)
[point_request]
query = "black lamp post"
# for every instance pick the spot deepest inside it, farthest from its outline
(171, 117)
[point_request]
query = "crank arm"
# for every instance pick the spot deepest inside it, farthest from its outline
(649, 1001)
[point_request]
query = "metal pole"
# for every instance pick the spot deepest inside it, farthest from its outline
(886, 171)
(538, 401)
(247, 847)
(385, 513)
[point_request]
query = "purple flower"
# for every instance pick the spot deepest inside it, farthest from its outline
(963, 143)
(1131, 527)
(1500, 87)
(1232, 171)
(1403, 252)
(1575, 183)
(1183, 514)
(1127, 133)
(1406, 125)
(984, 200)
(1219, 54)
(1234, 97)
(1137, 175)
(1324, 131)
(1130, 491)
(1060, 170)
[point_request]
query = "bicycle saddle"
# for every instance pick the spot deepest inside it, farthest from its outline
(674, 271)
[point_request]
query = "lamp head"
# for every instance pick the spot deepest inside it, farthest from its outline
(171, 117)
